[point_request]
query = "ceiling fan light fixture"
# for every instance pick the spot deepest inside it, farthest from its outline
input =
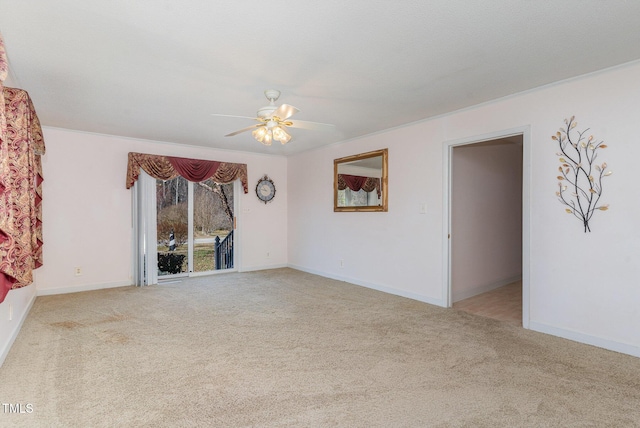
(279, 134)
(267, 139)
(259, 134)
(263, 135)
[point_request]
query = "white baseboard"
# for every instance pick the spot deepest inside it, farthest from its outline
(465, 294)
(255, 268)
(623, 348)
(79, 288)
(16, 330)
(373, 286)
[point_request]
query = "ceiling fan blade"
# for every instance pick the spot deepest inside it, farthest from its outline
(285, 111)
(248, 128)
(232, 115)
(313, 126)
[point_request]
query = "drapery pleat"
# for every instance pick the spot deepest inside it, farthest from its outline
(356, 183)
(4, 64)
(194, 169)
(168, 167)
(21, 145)
(6, 282)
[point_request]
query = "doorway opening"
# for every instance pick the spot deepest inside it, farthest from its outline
(487, 235)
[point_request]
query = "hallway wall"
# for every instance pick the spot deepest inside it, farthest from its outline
(486, 217)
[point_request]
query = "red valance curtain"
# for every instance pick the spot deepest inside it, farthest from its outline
(168, 167)
(21, 145)
(356, 183)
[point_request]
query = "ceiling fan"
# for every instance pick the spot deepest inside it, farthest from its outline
(274, 121)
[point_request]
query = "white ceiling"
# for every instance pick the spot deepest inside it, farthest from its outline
(158, 69)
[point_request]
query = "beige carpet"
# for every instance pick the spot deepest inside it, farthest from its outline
(283, 348)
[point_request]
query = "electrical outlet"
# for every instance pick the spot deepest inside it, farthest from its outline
(268, 254)
(10, 312)
(341, 263)
(78, 271)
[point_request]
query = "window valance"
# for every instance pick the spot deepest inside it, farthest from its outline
(168, 167)
(357, 183)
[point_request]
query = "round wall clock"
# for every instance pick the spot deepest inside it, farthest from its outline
(265, 189)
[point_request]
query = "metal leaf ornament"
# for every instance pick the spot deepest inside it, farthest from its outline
(581, 178)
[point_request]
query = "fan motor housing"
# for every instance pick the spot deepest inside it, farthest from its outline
(266, 111)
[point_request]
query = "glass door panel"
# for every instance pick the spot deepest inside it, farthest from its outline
(212, 226)
(172, 198)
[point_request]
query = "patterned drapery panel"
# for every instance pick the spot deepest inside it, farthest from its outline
(5, 282)
(21, 178)
(168, 167)
(355, 183)
(4, 64)
(4, 70)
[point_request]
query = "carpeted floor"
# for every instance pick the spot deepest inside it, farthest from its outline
(283, 348)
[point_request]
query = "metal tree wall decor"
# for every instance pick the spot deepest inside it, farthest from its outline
(580, 179)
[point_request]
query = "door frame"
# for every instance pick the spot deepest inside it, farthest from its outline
(447, 151)
(144, 231)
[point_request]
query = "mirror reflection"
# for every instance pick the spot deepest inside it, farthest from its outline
(360, 182)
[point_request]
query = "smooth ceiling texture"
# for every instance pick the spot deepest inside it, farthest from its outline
(157, 70)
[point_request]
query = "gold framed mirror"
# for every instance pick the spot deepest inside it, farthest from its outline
(360, 182)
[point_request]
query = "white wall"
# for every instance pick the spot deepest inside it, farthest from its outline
(13, 311)
(582, 286)
(87, 209)
(386, 251)
(486, 217)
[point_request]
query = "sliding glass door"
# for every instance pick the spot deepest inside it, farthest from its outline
(194, 227)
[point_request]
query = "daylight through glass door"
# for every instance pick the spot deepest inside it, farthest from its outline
(212, 226)
(194, 226)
